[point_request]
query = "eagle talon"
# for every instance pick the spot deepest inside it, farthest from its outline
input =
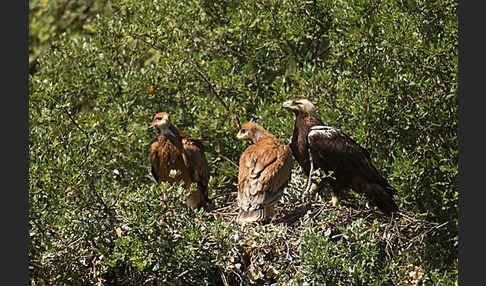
(334, 201)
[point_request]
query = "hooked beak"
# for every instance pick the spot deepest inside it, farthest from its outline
(287, 104)
(163, 123)
(240, 136)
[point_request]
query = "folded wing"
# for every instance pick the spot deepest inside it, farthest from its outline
(264, 172)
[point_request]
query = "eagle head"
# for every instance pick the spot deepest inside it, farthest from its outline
(299, 105)
(251, 131)
(161, 122)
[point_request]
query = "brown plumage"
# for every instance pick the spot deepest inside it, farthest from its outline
(174, 150)
(264, 172)
(316, 146)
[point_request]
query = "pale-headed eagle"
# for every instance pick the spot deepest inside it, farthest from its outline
(317, 146)
(264, 172)
(176, 151)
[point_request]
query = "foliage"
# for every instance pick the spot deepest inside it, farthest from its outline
(385, 72)
(50, 18)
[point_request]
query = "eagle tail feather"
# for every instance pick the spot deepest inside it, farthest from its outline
(197, 199)
(258, 215)
(383, 198)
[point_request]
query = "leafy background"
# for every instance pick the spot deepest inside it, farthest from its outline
(385, 72)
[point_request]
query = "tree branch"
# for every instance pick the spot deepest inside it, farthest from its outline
(86, 147)
(234, 118)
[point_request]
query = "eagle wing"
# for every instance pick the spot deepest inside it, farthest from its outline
(175, 151)
(154, 161)
(264, 171)
(332, 149)
(199, 171)
(196, 160)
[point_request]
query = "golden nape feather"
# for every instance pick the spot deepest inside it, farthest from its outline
(174, 150)
(264, 172)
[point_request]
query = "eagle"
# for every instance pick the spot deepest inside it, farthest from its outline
(264, 172)
(175, 151)
(316, 146)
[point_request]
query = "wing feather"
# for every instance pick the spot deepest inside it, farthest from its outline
(154, 161)
(196, 160)
(263, 173)
(331, 147)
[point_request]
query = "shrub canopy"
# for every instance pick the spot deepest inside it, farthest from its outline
(385, 72)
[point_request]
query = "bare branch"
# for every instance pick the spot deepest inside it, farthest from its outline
(86, 147)
(226, 158)
(234, 118)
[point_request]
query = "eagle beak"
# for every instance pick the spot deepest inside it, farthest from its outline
(240, 136)
(287, 104)
(163, 123)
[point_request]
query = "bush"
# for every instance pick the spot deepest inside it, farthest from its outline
(383, 72)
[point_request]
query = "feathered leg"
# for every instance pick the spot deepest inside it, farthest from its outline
(252, 215)
(268, 212)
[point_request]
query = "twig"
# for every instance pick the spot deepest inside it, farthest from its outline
(130, 66)
(319, 211)
(79, 127)
(223, 277)
(226, 158)
(232, 205)
(288, 250)
(183, 273)
(416, 219)
(216, 150)
(216, 213)
(92, 188)
(422, 235)
(234, 119)
(241, 279)
(309, 178)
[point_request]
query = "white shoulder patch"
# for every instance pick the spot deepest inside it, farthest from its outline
(290, 139)
(325, 131)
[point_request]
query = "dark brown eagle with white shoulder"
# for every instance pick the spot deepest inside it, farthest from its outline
(175, 151)
(317, 146)
(264, 172)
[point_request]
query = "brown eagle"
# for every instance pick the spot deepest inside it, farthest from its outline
(317, 146)
(176, 151)
(264, 172)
